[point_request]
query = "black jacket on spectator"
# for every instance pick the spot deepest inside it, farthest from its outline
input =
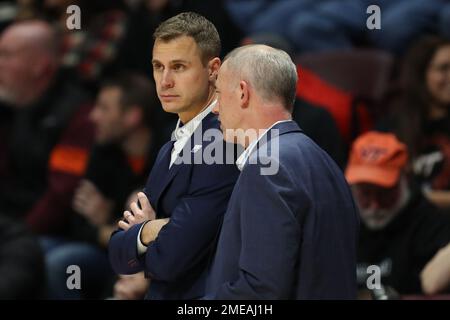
(404, 246)
(21, 262)
(110, 171)
(319, 125)
(45, 155)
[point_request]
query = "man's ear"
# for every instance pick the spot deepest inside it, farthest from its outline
(244, 92)
(213, 68)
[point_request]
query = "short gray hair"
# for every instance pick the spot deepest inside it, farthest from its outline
(270, 71)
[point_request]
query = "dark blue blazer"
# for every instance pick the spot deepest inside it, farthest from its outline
(291, 235)
(195, 197)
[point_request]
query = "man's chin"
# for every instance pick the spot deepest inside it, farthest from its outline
(171, 108)
(376, 225)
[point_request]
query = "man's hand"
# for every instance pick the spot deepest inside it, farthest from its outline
(435, 276)
(151, 230)
(90, 203)
(137, 215)
(131, 287)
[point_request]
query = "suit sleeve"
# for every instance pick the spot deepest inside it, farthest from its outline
(270, 236)
(122, 251)
(189, 235)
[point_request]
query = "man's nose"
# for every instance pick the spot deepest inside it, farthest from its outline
(167, 80)
(374, 204)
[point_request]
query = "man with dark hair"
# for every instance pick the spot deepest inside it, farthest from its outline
(190, 197)
(124, 152)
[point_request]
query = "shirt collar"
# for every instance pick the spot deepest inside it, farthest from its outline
(188, 129)
(242, 160)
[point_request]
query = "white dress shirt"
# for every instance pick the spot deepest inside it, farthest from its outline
(242, 160)
(181, 135)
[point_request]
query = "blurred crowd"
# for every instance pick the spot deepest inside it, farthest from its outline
(81, 125)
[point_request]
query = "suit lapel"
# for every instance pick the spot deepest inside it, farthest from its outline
(163, 175)
(159, 175)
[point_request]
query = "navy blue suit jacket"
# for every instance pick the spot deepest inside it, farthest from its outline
(291, 235)
(195, 197)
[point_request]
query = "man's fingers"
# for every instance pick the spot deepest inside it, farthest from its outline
(123, 225)
(129, 217)
(89, 186)
(146, 206)
(120, 290)
(126, 214)
(79, 205)
(143, 200)
(83, 187)
(135, 209)
(131, 220)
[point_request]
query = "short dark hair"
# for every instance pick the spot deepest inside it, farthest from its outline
(136, 90)
(193, 25)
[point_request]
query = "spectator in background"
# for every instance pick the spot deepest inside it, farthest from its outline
(334, 24)
(131, 287)
(422, 119)
(400, 230)
(50, 135)
(91, 51)
(21, 262)
(124, 153)
(435, 277)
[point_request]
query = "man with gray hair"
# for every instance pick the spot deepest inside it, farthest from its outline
(289, 233)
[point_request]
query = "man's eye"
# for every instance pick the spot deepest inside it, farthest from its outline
(157, 67)
(178, 67)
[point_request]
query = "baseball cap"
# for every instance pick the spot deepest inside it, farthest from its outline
(376, 158)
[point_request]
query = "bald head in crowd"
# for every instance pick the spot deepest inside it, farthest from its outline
(29, 59)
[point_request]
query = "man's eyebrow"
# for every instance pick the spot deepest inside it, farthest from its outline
(172, 61)
(179, 61)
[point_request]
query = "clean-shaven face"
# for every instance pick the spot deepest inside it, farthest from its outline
(182, 81)
(227, 105)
